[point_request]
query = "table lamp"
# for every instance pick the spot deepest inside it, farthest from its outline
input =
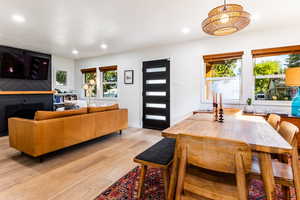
(88, 87)
(292, 78)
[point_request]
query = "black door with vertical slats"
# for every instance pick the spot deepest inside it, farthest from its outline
(156, 94)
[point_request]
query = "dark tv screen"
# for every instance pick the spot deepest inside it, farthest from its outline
(19, 64)
(38, 68)
(12, 66)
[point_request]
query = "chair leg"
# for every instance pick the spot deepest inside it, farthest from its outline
(142, 180)
(166, 181)
(286, 192)
(295, 168)
(173, 179)
(265, 165)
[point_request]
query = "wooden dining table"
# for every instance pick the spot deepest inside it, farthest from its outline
(253, 130)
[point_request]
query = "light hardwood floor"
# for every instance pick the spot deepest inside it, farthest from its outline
(81, 172)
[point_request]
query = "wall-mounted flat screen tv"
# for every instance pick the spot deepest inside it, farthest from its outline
(22, 64)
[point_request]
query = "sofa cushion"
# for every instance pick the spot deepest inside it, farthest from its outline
(43, 115)
(103, 108)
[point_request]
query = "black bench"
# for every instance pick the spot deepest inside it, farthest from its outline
(159, 155)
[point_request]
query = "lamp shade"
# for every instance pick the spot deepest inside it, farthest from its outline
(292, 76)
(225, 20)
(85, 87)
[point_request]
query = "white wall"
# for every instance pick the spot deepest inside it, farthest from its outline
(63, 64)
(187, 70)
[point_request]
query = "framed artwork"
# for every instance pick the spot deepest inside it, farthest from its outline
(128, 77)
(61, 78)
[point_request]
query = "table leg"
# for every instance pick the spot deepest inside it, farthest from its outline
(266, 168)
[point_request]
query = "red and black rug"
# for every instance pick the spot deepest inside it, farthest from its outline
(126, 187)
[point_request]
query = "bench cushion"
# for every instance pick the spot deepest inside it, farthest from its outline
(160, 153)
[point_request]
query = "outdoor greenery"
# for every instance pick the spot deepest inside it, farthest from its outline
(225, 69)
(61, 78)
(274, 88)
(110, 76)
(110, 84)
(267, 68)
(293, 60)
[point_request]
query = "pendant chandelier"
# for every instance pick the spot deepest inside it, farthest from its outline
(225, 20)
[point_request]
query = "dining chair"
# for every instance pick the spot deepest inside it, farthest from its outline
(274, 120)
(212, 168)
(285, 174)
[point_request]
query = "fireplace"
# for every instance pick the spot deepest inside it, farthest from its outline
(22, 106)
(25, 111)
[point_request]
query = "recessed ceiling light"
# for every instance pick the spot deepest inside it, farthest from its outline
(18, 18)
(185, 30)
(103, 46)
(75, 52)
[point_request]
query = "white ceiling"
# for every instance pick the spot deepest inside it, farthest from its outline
(60, 26)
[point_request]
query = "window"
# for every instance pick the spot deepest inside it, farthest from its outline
(109, 81)
(223, 75)
(269, 72)
(88, 75)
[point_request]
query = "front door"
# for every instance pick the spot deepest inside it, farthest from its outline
(156, 94)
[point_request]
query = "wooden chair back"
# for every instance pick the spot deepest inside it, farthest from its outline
(274, 120)
(216, 154)
(289, 132)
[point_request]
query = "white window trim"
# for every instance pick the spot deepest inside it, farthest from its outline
(111, 82)
(228, 102)
(99, 77)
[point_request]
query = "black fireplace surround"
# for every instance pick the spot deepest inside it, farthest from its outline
(26, 111)
(23, 105)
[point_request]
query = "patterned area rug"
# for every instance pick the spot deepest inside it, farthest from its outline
(126, 187)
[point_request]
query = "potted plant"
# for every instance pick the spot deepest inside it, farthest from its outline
(248, 108)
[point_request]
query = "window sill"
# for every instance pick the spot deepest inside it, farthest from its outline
(255, 103)
(272, 103)
(234, 102)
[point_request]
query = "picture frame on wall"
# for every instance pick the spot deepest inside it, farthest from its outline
(128, 77)
(61, 78)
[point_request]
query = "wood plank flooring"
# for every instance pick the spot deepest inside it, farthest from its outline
(80, 172)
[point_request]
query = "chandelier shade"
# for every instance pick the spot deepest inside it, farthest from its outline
(225, 20)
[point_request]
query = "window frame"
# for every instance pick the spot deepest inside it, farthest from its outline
(102, 83)
(84, 72)
(222, 57)
(268, 52)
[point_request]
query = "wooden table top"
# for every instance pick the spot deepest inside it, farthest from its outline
(253, 130)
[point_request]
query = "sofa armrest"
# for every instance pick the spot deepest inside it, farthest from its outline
(23, 135)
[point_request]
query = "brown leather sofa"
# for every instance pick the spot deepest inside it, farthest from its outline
(51, 131)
